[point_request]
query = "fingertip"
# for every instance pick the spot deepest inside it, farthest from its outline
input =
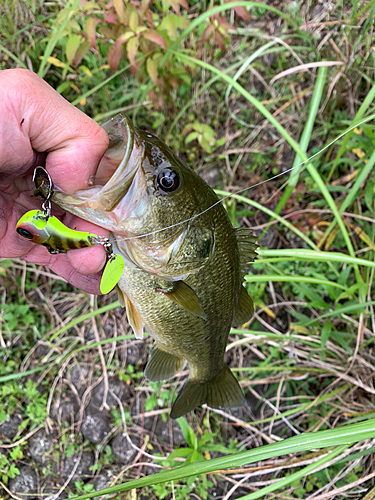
(87, 260)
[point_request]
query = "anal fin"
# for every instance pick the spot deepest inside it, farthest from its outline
(245, 309)
(162, 365)
(221, 392)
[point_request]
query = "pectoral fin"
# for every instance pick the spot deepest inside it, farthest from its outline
(134, 319)
(162, 365)
(245, 309)
(183, 295)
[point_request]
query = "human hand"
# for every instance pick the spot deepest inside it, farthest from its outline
(37, 127)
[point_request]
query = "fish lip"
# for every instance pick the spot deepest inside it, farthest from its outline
(120, 130)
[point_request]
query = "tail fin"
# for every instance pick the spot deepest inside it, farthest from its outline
(221, 392)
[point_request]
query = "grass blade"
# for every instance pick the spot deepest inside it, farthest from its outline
(305, 254)
(297, 475)
(362, 110)
(12, 56)
(350, 198)
(89, 315)
(56, 37)
(269, 212)
(340, 436)
(255, 278)
(305, 138)
(311, 169)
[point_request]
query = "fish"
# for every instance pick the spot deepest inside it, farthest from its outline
(182, 281)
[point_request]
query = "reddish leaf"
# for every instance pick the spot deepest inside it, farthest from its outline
(222, 22)
(149, 17)
(219, 40)
(91, 24)
(207, 32)
(132, 48)
(115, 53)
(176, 4)
(111, 18)
(242, 13)
(173, 82)
(155, 37)
(134, 69)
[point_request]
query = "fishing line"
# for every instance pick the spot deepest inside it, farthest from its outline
(251, 187)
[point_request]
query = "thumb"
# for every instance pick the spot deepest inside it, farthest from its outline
(43, 121)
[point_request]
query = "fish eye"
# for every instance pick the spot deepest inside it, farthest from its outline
(168, 181)
(25, 233)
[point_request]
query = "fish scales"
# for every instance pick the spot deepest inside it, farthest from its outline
(166, 321)
(183, 261)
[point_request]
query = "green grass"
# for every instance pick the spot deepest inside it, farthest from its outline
(305, 360)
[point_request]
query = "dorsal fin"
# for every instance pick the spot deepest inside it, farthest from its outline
(247, 245)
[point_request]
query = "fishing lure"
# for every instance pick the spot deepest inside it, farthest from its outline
(41, 228)
(50, 232)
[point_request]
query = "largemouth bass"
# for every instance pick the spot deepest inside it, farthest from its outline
(182, 279)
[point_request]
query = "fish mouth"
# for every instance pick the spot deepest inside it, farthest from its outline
(120, 168)
(119, 164)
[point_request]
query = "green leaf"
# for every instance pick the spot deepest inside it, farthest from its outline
(171, 22)
(326, 331)
(125, 37)
(206, 146)
(180, 453)
(133, 20)
(132, 48)
(205, 438)
(81, 52)
(16, 453)
(369, 195)
(152, 70)
(119, 7)
(191, 137)
(188, 433)
(71, 47)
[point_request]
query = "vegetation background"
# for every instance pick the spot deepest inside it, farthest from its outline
(242, 91)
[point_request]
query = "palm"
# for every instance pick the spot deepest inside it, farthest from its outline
(16, 199)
